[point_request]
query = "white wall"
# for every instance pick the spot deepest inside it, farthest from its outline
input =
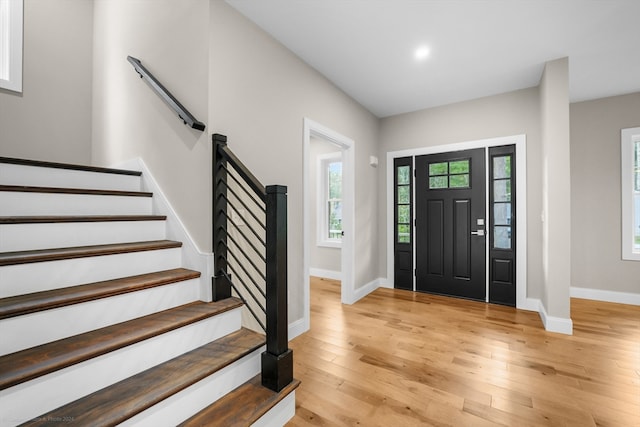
(320, 257)
(507, 114)
(259, 94)
(130, 120)
(241, 83)
(556, 188)
(596, 260)
(51, 119)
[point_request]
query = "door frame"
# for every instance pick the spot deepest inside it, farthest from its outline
(312, 128)
(520, 142)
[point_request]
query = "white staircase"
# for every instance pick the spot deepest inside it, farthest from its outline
(100, 322)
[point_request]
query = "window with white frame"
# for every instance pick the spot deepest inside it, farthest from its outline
(330, 200)
(630, 149)
(11, 44)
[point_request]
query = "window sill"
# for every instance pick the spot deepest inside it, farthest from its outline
(330, 244)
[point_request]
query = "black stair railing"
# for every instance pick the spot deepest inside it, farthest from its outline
(184, 114)
(250, 253)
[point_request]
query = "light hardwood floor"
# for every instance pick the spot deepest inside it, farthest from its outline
(398, 358)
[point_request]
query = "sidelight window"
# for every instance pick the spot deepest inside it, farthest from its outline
(502, 203)
(403, 204)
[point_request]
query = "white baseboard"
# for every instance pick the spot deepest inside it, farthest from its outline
(327, 274)
(296, 328)
(530, 304)
(385, 283)
(192, 257)
(555, 324)
(365, 290)
(607, 296)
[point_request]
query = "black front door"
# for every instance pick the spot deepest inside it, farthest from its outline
(450, 224)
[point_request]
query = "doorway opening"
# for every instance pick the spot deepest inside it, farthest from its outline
(457, 236)
(321, 143)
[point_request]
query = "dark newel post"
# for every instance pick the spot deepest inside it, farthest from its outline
(221, 288)
(277, 361)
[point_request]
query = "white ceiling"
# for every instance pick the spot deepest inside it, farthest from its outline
(478, 47)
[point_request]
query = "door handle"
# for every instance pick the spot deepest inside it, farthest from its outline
(478, 233)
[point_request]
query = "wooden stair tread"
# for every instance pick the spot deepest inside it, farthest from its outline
(77, 218)
(34, 362)
(56, 254)
(64, 190)
(45, 300)
(119, 402)
(242, 407)
(55, 165)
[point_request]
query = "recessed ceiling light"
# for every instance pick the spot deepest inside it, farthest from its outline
(421, 53)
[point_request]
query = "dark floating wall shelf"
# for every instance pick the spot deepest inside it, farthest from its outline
(182, 112)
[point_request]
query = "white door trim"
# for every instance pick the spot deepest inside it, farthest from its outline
(520, 141)
(312, 128)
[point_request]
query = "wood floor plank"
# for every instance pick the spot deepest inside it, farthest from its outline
(457, 362)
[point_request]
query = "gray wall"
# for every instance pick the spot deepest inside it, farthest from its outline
(242, 83)
(501, 115)
(130, 120)
(596, 260)
(51, 118)
(556, 188)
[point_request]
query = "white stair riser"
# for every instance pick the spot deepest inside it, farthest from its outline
(15, 203)
(191, 400)
(30, 399)
(280, 414)
(52, 177)
(24, 237)
(42, 276)
(33, 329)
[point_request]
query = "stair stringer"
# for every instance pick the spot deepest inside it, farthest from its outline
(192, 256)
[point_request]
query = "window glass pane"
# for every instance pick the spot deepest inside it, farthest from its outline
(502, 190)
(403, 194)
(502, 213)
(404, 214)
(636, 165)
(502, 237)
(438, 182)
(636, 228)
(459, 166)
(459, 181)
(404, 175)
(335, 219)
(438, 169)
(404, 234)
(502, 167)
(335, 180)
